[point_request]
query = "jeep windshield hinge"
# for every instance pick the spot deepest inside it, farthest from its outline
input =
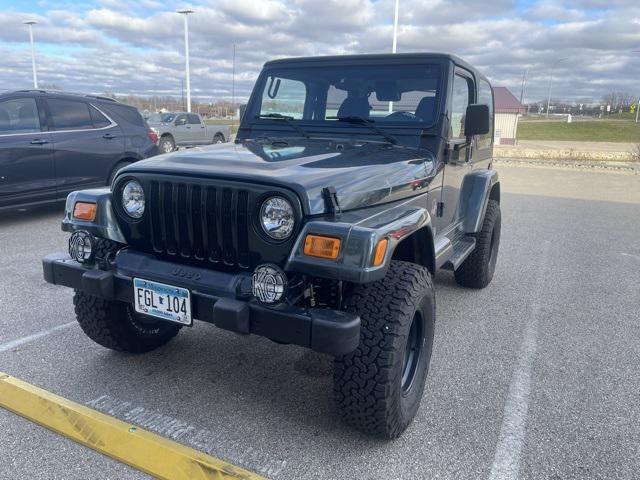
(331, 200)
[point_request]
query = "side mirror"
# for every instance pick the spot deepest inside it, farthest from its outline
(181, 121)
(477, 120)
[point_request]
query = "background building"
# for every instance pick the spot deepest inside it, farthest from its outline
(508, 110)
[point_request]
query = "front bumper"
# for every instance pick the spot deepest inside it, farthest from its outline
(223, 299)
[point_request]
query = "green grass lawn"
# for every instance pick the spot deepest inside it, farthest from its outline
(589, 131)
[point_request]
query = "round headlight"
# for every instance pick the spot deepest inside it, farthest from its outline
(133, 199)
(277, 218)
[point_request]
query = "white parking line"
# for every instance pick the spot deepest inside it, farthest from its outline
(637, 257)
(4, 347)
(506, 461)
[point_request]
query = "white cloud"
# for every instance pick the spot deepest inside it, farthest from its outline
(138, 48)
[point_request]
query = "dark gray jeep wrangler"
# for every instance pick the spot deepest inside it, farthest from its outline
(351, 182)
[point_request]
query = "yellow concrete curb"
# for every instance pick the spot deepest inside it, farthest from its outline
(121, 441)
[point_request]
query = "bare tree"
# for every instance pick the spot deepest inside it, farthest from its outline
(619, 99)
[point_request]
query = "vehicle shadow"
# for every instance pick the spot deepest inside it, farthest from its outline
(14, 217)
(228, 380)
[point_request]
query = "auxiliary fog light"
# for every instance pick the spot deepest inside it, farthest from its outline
(82, 247)
(268, 283)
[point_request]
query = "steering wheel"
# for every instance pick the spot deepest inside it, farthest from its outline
(401, 116)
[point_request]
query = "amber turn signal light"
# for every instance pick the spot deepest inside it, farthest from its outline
(85, 211)
(323, 247)
(381, 249)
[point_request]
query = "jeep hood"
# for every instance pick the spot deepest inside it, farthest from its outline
(363, 173)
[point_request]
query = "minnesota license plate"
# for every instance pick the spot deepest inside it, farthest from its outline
(162, 301)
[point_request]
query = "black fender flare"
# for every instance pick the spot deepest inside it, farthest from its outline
(359, 237)
(477, 188)
(104, 225)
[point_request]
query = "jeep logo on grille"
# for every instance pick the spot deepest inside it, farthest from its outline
(182, 273)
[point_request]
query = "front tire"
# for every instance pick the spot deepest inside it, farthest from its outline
(378, 387)
(116, 325)
(478, 268)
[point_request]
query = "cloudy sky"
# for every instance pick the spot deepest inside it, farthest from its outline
(137, 47)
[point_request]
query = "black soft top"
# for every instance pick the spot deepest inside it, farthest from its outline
(378, 58)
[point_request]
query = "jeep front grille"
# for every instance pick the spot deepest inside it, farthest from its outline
(201, 222)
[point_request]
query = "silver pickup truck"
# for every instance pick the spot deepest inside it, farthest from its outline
(182, 129)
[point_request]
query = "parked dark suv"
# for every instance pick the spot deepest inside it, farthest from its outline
(54, 143)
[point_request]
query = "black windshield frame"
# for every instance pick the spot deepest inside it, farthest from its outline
(322, 124)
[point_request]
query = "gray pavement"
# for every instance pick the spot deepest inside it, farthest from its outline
(535, 377)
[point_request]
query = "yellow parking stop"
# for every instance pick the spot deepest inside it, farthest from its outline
(121, 441)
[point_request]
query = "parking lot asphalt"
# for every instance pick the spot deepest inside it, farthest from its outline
(535, 377)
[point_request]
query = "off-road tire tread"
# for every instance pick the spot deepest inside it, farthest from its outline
(365, 381)
(109, 323)
(474, 271)
(105, 247)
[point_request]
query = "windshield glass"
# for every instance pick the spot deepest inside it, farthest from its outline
(378, 93)
(162, 117)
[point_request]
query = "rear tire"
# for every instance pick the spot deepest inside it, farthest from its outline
(218, 138)
(119, 166)
(167, 144)
(116, 325)
(478, 269)
(378, 387)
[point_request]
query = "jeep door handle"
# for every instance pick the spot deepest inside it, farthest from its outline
(39, 141)
(108, 136)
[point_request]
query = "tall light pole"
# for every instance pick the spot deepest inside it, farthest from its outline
(31, 23)
(186, 55)
(524, 84)
(553, 66)
(638, 103)
(395, 28)
(233, 86)
(394, 48)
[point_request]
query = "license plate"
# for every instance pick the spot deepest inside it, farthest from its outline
(162, 301)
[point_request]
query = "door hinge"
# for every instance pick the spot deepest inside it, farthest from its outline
(440, 209)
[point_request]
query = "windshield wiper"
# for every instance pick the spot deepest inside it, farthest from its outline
(285, 118)
(368, 123)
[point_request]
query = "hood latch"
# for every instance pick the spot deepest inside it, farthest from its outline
(331, 200)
